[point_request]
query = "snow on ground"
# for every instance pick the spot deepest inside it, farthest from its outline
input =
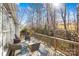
(44, 50)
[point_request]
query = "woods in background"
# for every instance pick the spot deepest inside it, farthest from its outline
(54, 20)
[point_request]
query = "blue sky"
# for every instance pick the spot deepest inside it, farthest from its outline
(70, 7)
(32, 5)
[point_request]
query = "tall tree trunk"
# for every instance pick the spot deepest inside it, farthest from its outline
(47, 8)
(68, 21)
(78, 18)
(63, 14)
(33, 20)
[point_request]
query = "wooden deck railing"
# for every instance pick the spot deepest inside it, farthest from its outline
(67, 47)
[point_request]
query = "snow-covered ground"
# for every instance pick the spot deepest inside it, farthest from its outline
(44, 50)
(0, 44)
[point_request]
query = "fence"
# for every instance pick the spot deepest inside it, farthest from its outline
(67, 47)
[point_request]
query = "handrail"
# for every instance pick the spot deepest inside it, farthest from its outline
(67, 47)
(68, 41)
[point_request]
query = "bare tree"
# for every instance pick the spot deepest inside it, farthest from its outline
(68, 21)
(63, 15)
(77, 18)
(51, 13)
(53, 16)
(47, 9)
